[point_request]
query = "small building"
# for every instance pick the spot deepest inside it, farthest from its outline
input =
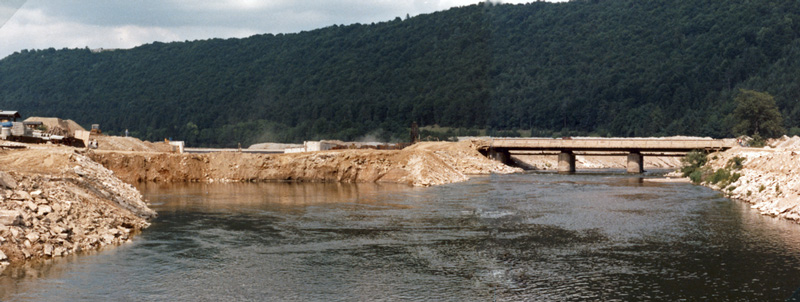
(33, 125)
(9, 116)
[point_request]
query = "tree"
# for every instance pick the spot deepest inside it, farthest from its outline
(757, 114)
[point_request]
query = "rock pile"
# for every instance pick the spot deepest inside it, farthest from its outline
(768, 180)
(64, 207)
(785, 142)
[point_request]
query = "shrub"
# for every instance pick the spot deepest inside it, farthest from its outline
(696, 176)
(735, 163)
(720, 176)
(692, 162)
(794, 131)
(758, 141)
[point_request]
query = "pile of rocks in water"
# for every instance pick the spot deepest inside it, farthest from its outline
(51, 215)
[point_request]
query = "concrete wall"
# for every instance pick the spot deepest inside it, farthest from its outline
(311, 146)
(177, 146)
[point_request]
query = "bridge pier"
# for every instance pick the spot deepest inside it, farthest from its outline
(566, 162)
(635, 162)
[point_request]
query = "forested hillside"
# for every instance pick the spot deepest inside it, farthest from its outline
(614, 67)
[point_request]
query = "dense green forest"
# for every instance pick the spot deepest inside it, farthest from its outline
(602, 67)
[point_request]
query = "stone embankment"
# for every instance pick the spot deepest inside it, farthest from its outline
(769, 178)
(425, 164)
(55, 201)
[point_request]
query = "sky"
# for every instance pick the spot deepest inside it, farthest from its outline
(41, 24)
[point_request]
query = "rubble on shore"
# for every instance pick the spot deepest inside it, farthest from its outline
(55, 201)
(768, 178)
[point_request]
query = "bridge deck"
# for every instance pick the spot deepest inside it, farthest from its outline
(608, 144)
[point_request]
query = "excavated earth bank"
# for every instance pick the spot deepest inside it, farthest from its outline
(425, 164)
(55, 201)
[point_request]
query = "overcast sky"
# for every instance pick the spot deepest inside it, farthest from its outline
(40, 24)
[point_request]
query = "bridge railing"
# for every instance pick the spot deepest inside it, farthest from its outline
(610, 144)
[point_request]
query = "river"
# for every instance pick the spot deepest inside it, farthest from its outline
(597, 236)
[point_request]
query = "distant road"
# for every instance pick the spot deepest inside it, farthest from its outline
(212, 150)
(608, 144)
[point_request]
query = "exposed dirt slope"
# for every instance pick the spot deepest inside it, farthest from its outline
(424, 165)
(464, 157)
(121, 143)
(54, 201)
(415, 168)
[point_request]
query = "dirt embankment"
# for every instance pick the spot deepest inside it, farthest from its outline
(121, 143)
(55, 201)
(769, 178)
(424, 165)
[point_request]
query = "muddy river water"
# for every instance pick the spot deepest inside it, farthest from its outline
(598, 236)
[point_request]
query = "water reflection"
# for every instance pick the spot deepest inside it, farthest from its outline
(539, 237)
(251, 196)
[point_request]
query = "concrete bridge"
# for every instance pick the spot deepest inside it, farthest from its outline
(566, 148)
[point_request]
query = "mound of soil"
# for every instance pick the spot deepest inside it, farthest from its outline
(121, 143)
(464, 157)
(56, 125)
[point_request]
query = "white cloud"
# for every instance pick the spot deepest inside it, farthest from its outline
(32, 29)
(8, 8)
(43, 24)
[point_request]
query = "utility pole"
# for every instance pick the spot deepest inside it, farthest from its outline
(414, 133)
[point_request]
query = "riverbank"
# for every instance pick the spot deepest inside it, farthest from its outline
(424, 164)
(768, 178)
(55, 201)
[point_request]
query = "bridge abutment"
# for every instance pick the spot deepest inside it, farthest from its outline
(501, 155)
(635, 162)
(566, 162)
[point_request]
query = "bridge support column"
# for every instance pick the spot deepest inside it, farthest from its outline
(635, 162)
(501, 155)
(566, 162)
